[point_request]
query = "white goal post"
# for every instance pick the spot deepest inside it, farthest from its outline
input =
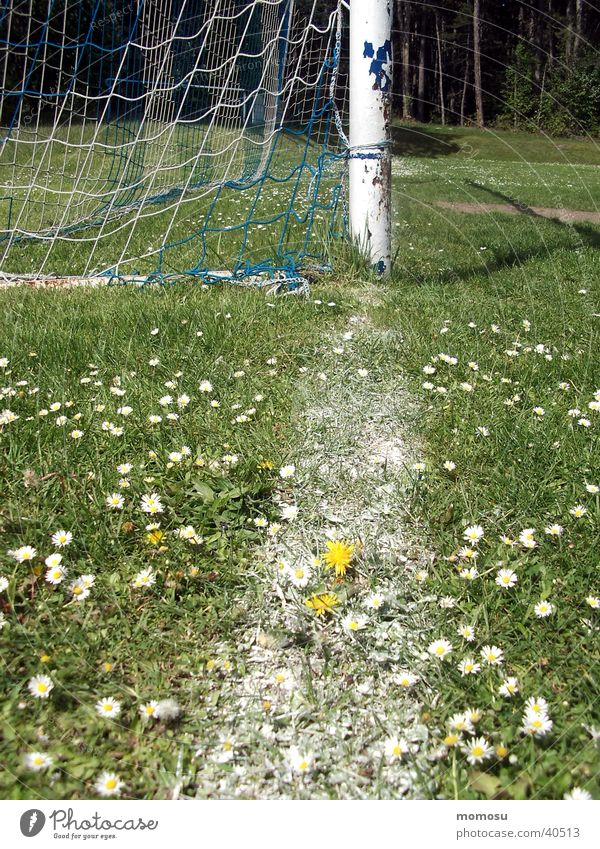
(370, 129)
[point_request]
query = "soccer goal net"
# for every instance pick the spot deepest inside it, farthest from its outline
(159, 139)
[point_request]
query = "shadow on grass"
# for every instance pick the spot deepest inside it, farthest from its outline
(416, 141)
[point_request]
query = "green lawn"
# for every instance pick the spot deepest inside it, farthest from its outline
(491, 322)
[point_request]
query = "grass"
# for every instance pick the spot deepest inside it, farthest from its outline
(515, 297)
(134, 644)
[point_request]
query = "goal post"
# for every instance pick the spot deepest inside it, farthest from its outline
(199, 139)
(370, 129)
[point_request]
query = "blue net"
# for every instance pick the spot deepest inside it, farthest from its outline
(170, 138)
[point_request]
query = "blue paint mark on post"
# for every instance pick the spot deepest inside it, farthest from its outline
(380, 58)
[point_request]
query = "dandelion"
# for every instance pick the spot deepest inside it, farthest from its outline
(37, 761)
(439, 648)
(40, 686)
(468, 666)
(152, 504)
(543, 609)
(338, 556)
(108, 707)
(473, 533)
(62, 538)
(287, 471)
(108, 784)
(492, 655)
(167, 710)
(354, 622)
(478, 750)
(506, 578)
(509, 687)
(300, 762)
(322, 603)
(395, 748)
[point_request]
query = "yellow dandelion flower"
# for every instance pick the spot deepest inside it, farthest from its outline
(339, 556)
(155, 537)
(322, 603)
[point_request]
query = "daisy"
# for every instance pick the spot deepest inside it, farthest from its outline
(395, 748)
(492, 655)
(449, 465)
(145, 578)
(469, 574)
(593, 601)
(578, 511)
(168, 709)
(79, 590)
(148, 710)
(62, 538)
(509, 687)
(301, 762)
(183, 401)
(452, 739)
(405, 679)
(205, 386)
(299, 575)
(439, 648)
(578, 794)
(108, 707)
(469, 667)
(592, 488)
(53, 560)
(55, 574)
(3, 583)
(506, 578)
(354, 622)
(25, 553)
(124, 468)
(536, 725)
(473, 533)
(467, 632)
(289, 512)
(37, 761)
(543, 609)
(152, 503)
(478, 750)
(287, 471)
(526, 538)
(536, 705)
(554, 530)
(115, 500)
(108, 784)
(76, 434)
(460, 722)
(40, 686)
(375, 601)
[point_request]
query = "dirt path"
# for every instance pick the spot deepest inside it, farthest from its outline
(567, 216)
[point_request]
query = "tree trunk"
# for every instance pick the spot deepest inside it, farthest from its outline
(578, 27)
(421, 80)
(477, 62)
(440, 68)
(405, 24)
(465, 81)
